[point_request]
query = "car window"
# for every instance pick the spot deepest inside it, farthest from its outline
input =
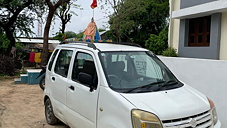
(84, 63)
(125, 70)
(62, 63)
(146, 66)
(52, 60)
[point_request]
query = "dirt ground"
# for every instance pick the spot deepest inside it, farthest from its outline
(21, 106)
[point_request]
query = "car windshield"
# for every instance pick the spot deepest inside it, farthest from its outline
(136, 72)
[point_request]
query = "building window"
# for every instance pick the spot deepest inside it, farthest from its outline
(199, 32)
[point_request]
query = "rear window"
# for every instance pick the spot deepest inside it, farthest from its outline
(62, 63)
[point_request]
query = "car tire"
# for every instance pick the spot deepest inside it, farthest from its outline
(42, 83)
(49, 113)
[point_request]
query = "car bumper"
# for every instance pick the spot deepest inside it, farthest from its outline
(217, 125)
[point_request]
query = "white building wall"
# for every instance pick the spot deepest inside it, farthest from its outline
(207, 76)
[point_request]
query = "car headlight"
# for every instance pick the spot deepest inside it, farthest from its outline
(142, 119)
(213, 111)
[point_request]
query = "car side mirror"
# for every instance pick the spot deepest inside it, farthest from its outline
(86, 79)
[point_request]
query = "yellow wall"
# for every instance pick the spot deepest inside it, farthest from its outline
(176, 4)
(174, 25)
(223, 43)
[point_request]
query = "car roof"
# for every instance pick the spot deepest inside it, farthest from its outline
(103, 46)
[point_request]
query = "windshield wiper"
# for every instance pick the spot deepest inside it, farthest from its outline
(169, 83)
(163, 84)
(145, 86)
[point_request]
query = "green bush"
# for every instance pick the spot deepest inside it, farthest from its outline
(59, 36)
(171, 52)
(158, 43)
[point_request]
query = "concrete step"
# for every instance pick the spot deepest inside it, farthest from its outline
(17, 81)
(29, 78)
(22, 80)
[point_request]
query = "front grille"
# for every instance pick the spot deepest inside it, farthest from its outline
(202, 120)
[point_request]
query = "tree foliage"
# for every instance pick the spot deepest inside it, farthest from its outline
(64, 14)
(115, 5)
(102, 29)
(17, 17)
(61, 37)
(135, 20)
(70, 34)
(158, 43)
(80, 35)
(4, 42)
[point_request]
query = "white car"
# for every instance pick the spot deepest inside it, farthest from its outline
(107, 85)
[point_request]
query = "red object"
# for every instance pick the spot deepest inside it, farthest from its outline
(32, 57)
(94, 4)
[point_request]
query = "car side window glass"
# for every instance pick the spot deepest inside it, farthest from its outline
(84, 63)
(62, 63)
(52, 60)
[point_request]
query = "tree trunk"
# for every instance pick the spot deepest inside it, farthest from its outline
(63, 27)
(9, 35)
(45, 51)
(52, 9)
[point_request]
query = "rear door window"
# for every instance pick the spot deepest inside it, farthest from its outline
(62, 63)
(52, 60)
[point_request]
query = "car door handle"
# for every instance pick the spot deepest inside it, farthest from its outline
(53, 78)
(72, 87)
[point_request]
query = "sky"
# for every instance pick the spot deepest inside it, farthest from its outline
(80, 22)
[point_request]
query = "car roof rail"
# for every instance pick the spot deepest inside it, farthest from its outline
(89, 44)
(123, 43)
(92, 45)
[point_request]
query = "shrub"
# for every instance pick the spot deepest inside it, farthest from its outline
(158, 43)
(7, 66)
(171, 52)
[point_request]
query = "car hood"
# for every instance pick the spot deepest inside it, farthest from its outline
(170, 104)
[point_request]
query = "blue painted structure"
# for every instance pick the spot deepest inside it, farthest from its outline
(29, 78)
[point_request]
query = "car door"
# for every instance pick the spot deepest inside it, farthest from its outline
(58, 82)
(81, 101)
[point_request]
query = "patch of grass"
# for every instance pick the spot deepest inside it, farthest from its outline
(2, 75)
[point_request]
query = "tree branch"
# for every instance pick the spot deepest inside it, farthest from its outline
(17, 12)
(60, 2)
(68, 9)
(49, 4)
